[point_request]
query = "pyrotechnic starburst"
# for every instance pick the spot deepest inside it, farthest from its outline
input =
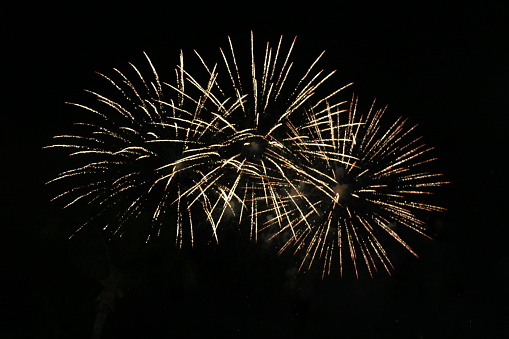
(214, 148)
(143, 154)
(365, 181)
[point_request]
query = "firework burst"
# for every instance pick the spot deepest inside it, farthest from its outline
(142, 154)
(364, 181)
(251, 143)
(259, 116)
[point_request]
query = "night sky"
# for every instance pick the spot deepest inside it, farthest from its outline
(444, 67)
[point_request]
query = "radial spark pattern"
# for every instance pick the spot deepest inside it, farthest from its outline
(365, 182)
(248, 141)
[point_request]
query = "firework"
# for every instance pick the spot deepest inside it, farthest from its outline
(249, 141)
(258, 152)
(365, 181)
(143, 154)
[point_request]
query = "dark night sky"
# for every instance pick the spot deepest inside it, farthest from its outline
(444, 67)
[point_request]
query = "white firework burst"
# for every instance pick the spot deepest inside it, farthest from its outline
(251, 141)
(364, 181)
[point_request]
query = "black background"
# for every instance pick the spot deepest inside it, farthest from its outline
(444, 67)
